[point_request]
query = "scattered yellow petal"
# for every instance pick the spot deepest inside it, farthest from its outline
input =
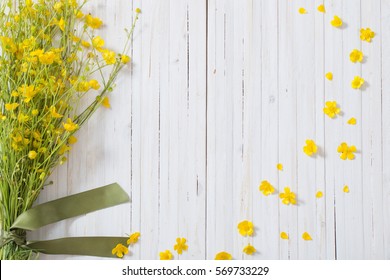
(288, 197)
(357, 82)
(319, 194)
(180, 245)
(366, 34)
(284, 235)
(336, 22)
(331, 109)
(356, 56)
(167, 255)
(302, 11)
(72, 140)
(223, 256)
(279, 166)
(266, 188)
(329, 76)
(249, 249)
(310, 148)
(106, 102)
(245, 228)
(133, 238)
(306, 236)
(346, 189)
(352, 121)
(321, 8)
(120, 250)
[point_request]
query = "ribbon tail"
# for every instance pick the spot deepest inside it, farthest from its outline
(86, 246)
(71, 206)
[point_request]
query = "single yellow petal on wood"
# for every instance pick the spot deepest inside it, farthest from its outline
(319, 194)
(106, 102)
(306, 236)
(302, 11)
(329, 76)
(352, 121)
(279, 166)
(346, 189)
(321, 8)
(284, 235)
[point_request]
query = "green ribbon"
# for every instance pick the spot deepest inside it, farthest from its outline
(69, 207)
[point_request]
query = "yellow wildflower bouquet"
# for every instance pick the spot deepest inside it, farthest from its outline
(49, 54)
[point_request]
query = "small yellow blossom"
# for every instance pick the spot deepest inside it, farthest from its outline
(93, 22)
(94, 84)
(86, 44)
(357, 82)
(319, 194)
(321, 8)
(284, 235)
(310, 148)
(223, 256)
(28, 92)
(245, 228)
(70, 125)
(79, 14)
(266, 188)
(366, 34)
(347, 152)
(32, 154)
(98, 43)
(356, 56)
(329, 76)
(53, 113)
(249, 249)
(331, 109)
(306, 236)
(180, 245)
(279, 166)
(352, 121)
(22, 118)
(336, 22)
(109, 57)
(2, 117)
(288, 197)
(11, 106)
(106, 102)
(125, 59)
(120, 250)
(133, 238)
(34, 112)
(346, 189)
(61, 24)
(302, 11)
(72, 140)
(138, 10)
(167, 255)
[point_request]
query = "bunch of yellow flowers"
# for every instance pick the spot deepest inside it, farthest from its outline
(49, 52)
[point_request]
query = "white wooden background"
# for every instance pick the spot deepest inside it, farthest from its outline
(219, 92)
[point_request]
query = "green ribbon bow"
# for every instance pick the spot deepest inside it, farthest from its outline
(68, 207)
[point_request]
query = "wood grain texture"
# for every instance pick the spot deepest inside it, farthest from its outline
(218, 93)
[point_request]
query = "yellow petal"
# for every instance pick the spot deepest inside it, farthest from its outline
(279, 166)
(346, 189)
(306, 236)
(284, 235)
(329, 76)
(321, 8)
(106, 102)
(302, 11)
(352, 121)
(319, 194)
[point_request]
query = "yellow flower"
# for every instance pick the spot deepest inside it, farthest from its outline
(180, 245)
(329, 76)
(288, 197)
(319, 194)
(34, 112)
(284, 235)
(72, 140)
(125, 59)
(98, 42)
(266, 188)
(106, 102)
(120, 250)
(347, 152)
(109, 57)
(357, 82)
(133, 238)
(245, 228)
(356, 56)
(61, 24)
(223, 256)
(79, 14)
(93, 22)
(28, 92)
(352, 121)
(85, 44)
(2, 117)
(94, 84)
(279, 166)
(346, 189)
(302, 11)
(22, 118)
(138, 10)
(11, 106)
(70, 125)
(32, 154)
(64, 149)
(306, 236)
(366, 34)
(53, 113)
(167, 255)
(321, 8)
(249, 249)
(310, 148)
(336, 22)
(331, 109)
